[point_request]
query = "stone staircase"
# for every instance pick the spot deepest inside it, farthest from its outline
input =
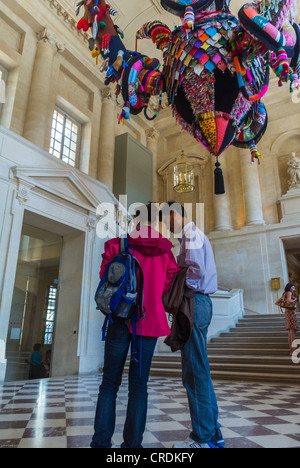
(255, 350)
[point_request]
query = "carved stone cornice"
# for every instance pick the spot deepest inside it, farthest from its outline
(152, 134)
(91, 222)
(46, 36)
(65, 16)
(154, 103)
(108, 94)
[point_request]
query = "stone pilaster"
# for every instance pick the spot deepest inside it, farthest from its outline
(252, 191)
(222, 210)
(152, 141)
(106, 154)
(37, 110)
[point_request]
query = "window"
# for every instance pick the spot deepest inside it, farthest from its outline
(50, 315)
(65, 138)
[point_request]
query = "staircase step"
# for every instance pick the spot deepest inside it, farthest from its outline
(246, 352)
(232, 338)
(255, 377)
(243, 368)
(260, 334)
(249, 346)
(260, 368)
(262, 316)
(239, 375)
(255, 350)
(261, 326)
(253, 359)
(168, 360)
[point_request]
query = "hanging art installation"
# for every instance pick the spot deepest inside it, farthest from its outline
(215, 71)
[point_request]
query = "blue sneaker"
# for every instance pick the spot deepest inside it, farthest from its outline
(192, 444)
(218, 439)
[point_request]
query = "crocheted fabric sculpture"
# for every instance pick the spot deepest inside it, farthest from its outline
(216, 66)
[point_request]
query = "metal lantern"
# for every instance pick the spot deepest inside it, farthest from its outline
(183, 176)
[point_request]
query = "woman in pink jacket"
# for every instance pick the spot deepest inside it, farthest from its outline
(153, 251)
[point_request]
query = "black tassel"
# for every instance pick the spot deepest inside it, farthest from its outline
(219, 180)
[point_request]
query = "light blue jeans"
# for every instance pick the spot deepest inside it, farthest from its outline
(196, 375)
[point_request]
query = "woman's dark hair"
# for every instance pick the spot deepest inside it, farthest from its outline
(289, 287)
(37, 347)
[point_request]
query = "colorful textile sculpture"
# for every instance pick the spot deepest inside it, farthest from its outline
(216, 66)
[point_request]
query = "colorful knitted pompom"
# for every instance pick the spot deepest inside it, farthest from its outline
(282, 65)
(157, 31)
(125, 113)
(254, 152)
(189, 18)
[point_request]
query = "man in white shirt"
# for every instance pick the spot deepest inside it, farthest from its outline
(196, 253)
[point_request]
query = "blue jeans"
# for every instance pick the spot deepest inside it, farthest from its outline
(117, 345)
(196, 375)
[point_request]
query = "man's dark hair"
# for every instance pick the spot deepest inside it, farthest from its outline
(169, 206)
(147, 213)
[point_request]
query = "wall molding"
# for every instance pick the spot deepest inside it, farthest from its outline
(66, 17)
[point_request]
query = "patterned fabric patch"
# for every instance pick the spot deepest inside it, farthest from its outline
(208, 128)
(199, 91)
(208, 45)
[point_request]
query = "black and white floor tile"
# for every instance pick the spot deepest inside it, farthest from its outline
(59, 413)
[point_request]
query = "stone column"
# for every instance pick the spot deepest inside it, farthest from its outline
(251, 189)
(222, 210)
(106, 154)
(152, 140)
(37, 111)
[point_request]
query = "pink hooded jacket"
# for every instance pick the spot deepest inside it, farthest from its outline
(158, 263)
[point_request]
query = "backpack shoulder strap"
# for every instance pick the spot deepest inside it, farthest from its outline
(124, 245)
(141, 286)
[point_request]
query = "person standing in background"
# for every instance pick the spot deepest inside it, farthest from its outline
(291, 321)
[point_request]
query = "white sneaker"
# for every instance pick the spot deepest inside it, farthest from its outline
(191, 444)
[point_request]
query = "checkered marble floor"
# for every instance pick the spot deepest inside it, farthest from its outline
(59, 413)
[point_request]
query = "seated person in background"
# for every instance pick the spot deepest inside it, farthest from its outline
(37, 369)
